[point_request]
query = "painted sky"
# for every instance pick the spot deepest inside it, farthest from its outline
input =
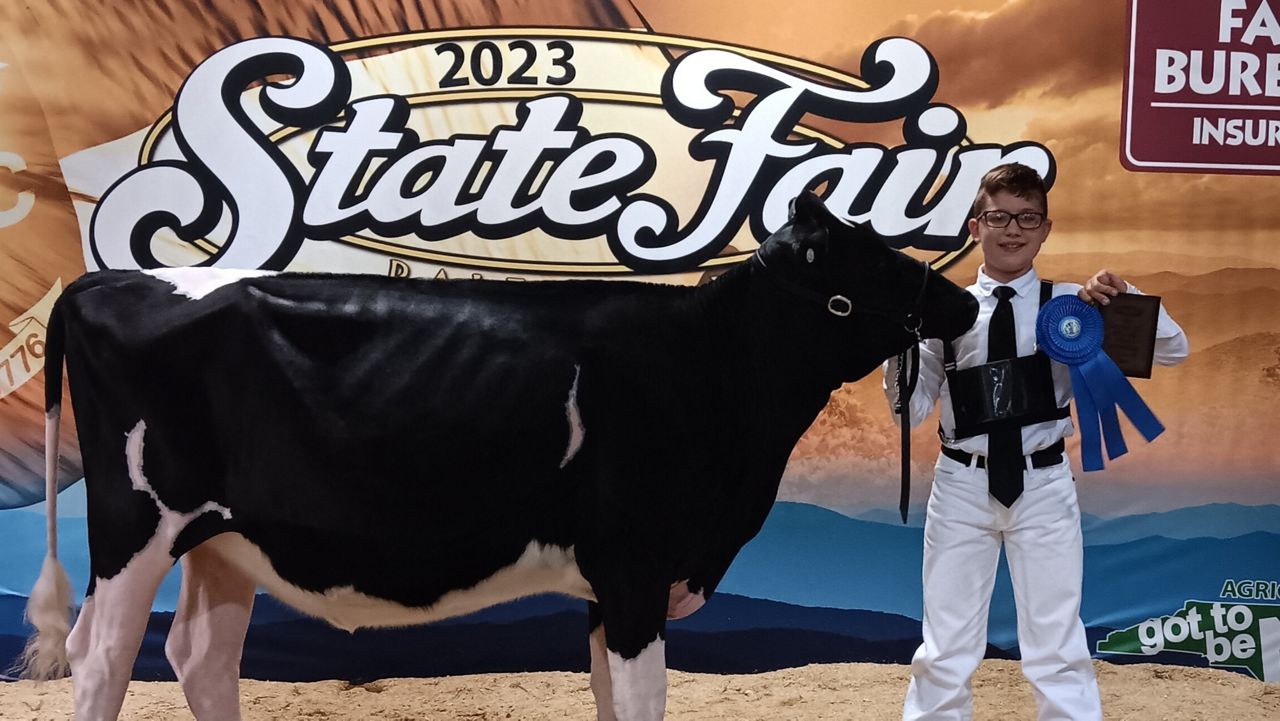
(1044, 70)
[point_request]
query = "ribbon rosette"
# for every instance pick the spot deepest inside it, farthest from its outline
(1070, 331)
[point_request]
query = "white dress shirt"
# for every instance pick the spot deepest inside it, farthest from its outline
(971, 350)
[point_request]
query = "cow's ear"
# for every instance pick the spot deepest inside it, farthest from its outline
(808, 208)
(812, 220)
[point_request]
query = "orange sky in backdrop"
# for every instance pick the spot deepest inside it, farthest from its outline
(1046, 70)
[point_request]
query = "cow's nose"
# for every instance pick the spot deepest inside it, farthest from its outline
(966, 315)
(970, 312)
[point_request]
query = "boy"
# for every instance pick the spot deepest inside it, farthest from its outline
(1006, 481)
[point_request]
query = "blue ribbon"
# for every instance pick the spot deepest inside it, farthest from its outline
(1070, 331)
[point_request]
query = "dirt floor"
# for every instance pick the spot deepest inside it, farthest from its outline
(1141, 692)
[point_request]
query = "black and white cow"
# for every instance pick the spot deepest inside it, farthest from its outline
(385, 452)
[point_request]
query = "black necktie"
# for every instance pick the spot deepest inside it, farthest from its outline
(1005, 462)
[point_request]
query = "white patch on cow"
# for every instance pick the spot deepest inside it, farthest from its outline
(576, 431)
(52, 429)
(540, 569)
(53, 423)
(681, 602)
(639, 684)
(196, 283)
(171, 522)
(129, 587)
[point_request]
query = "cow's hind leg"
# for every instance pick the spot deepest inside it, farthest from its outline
(105, 641)
(634, 627)
(108, 633)
(207, 637)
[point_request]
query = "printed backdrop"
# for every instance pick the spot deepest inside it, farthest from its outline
(661, 140)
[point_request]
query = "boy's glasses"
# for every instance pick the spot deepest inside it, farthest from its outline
(1001, 218)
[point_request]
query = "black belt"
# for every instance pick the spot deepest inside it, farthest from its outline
(1042, 458)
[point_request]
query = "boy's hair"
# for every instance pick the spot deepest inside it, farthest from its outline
(1014, 178)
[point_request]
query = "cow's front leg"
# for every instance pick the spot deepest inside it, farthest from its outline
(680, 603)
(634, 651)
(207, 637)
(601, 685)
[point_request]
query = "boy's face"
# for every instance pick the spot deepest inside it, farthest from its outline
(1009, 251)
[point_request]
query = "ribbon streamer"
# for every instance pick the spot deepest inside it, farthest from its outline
(1070, 331)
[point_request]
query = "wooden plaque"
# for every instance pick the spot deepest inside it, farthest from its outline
(1129, 327)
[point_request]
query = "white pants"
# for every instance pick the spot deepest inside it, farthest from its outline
(963, 531)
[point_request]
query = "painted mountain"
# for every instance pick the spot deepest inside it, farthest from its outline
(814, 587)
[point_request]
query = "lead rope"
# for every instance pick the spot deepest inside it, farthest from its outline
(905, 382)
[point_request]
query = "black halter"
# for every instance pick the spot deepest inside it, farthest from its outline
(840, 305)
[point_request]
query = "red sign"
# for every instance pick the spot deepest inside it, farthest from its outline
(1202, 87)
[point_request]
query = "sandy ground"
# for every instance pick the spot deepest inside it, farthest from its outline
(1141, 692)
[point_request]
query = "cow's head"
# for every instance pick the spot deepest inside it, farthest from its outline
(873, 297)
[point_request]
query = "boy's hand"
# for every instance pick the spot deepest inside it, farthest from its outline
(1101, 287)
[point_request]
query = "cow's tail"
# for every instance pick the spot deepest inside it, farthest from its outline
(49, 607)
